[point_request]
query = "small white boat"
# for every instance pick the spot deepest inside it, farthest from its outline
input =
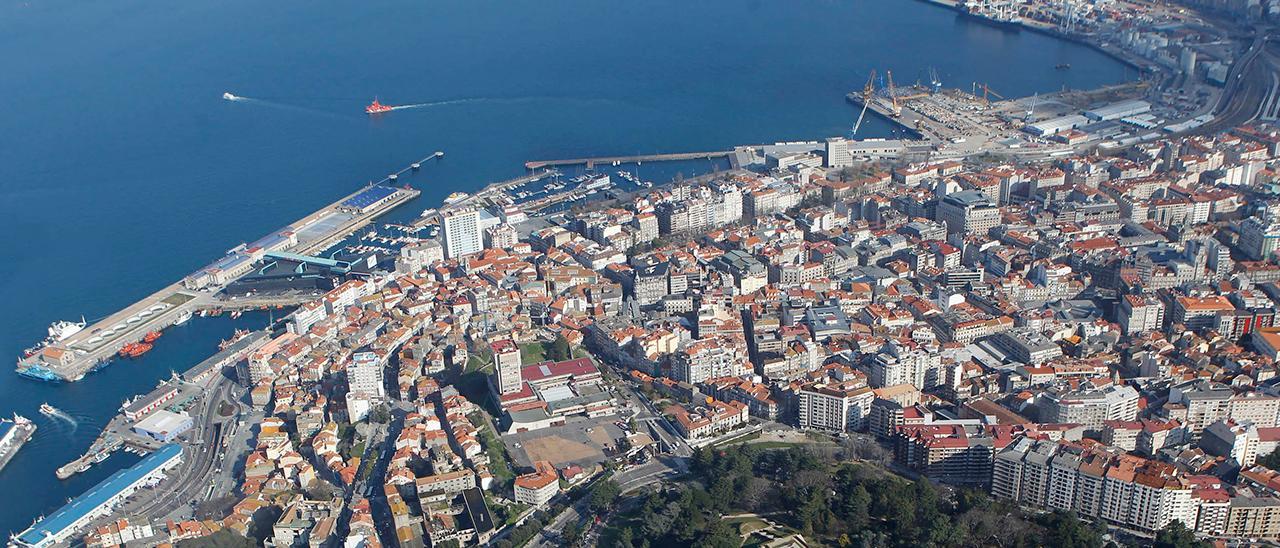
(49, 409)
(184, 317)
(228, 96)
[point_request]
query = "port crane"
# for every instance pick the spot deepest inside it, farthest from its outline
(986, 93)
(895, 108)
(868, 93)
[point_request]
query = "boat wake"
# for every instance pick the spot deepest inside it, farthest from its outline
(441, 103)
(228, 96)
(64, 417)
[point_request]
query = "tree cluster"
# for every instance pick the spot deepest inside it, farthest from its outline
(849, 504)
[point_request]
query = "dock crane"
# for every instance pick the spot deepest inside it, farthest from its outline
(868, 94)
(896, 109)
(986, 92)
(1031, 111)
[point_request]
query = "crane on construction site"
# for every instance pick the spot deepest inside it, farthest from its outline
(868, 94)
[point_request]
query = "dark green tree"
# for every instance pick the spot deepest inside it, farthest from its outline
(559, 350)
(1272, 460)
(1176, 535)
(570, 534)
(603, 496)
(625, 538)
(718, 534)
(1065, 530)
(856, 509)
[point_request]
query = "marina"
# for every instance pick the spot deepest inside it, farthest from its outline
(615, 160)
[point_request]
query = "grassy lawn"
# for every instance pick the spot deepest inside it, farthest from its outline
(736, 441)
(532, 353)
(748, 525)
(499, 464)
(479, 361)
(776, 444)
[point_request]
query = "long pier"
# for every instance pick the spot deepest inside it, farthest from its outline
(592, 162)
(95, 345)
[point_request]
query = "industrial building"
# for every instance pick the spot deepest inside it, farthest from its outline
(1116, 111)
(368, 199)
(61, 526)
(1054, 126)
(163, 426)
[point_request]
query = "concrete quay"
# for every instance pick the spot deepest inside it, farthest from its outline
(592, 162)
(94, 346)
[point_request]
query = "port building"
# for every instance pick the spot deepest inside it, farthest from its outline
(60, 527)
(368, 199)
(163, 426)
(1054, 126)
(1116, 111)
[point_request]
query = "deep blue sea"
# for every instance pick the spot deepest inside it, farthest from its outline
(122, 168)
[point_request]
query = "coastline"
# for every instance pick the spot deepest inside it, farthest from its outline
(953, 5)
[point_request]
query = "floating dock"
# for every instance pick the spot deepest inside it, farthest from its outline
(97, 344)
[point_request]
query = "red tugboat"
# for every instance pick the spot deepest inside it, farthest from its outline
(377, 108)
(139, 350)
(135, 349)
(151, 337)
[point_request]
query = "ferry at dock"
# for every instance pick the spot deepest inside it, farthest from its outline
(58, 331)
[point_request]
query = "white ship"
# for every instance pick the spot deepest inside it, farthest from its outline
(228, 96)
(49, 409)
(13, 434)
(184, 317)
(58, 331)
(62, 330)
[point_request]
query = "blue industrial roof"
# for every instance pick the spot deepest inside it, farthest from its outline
(369, 196)
(321, 261)
(97, 496)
